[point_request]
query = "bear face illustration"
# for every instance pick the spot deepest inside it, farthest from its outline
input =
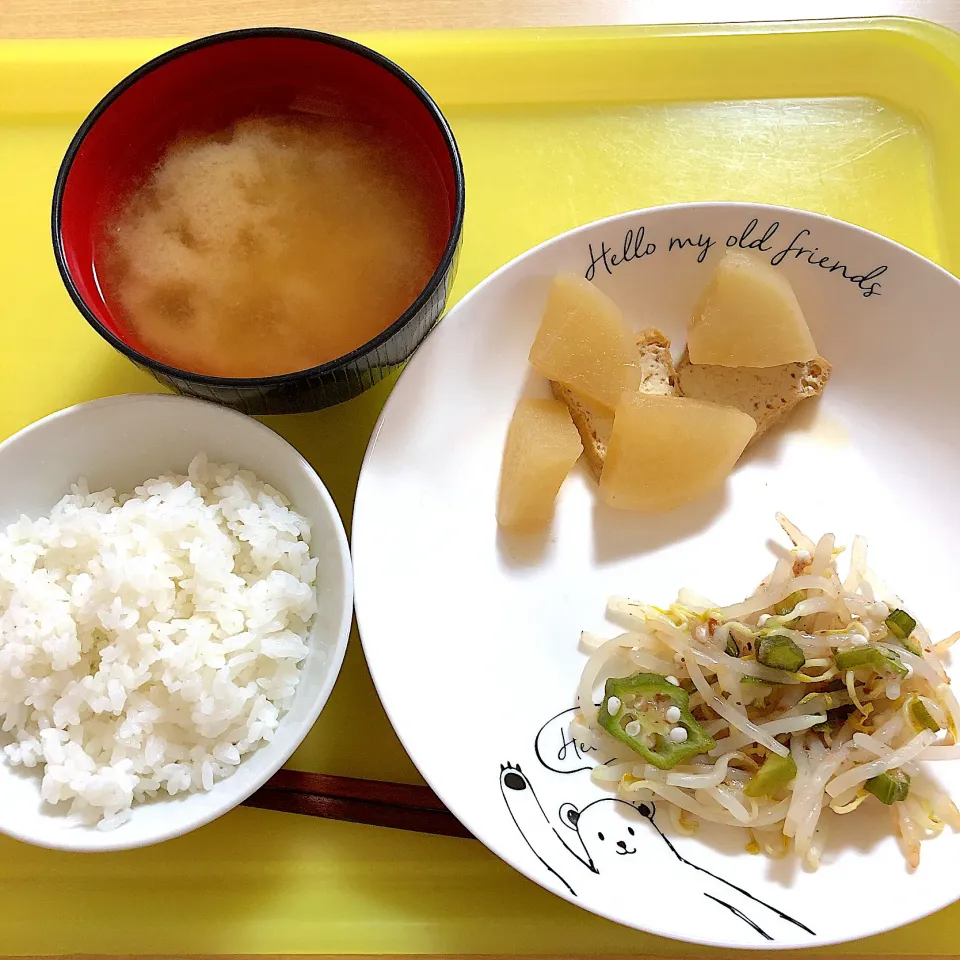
(608, 829)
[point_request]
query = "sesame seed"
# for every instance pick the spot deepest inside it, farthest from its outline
(673, 714)
(678, 734)
(762, 619)
(613, 706)
(672, 680)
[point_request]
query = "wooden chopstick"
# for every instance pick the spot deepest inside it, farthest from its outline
(403, 806)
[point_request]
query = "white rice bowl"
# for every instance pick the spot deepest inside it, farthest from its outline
(158, 664)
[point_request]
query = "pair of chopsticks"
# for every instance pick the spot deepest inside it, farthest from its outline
(402, 806)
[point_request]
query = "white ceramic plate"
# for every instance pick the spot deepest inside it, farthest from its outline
(472, 636)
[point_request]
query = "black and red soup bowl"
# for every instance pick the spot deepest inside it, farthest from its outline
(209, 84)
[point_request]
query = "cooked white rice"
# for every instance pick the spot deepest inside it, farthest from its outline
(148, 642)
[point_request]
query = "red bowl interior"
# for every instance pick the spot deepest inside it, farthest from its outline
(207, 86)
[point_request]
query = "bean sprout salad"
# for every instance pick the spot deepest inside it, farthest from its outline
(814, 692)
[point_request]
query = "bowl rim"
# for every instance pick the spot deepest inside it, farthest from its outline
(437, 278)
(91, 840)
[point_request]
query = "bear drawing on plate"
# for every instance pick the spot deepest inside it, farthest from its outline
(618, 841)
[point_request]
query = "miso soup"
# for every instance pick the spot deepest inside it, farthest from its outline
(275, 245)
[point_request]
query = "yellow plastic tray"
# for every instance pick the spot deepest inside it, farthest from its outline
(857, 119)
